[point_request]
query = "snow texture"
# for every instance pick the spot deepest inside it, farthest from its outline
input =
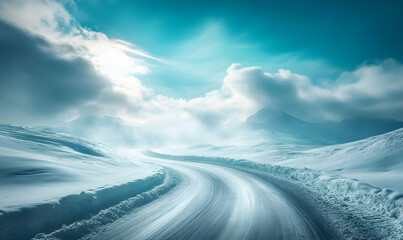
(381, 208)
(49, 179)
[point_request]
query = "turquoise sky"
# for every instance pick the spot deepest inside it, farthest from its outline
(199, 40)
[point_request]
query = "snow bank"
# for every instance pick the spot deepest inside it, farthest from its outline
(45, 217)
(86, 227)
(49, 179)
(376, 160)
(385, 205)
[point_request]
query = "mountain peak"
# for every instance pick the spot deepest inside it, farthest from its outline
(345, 131)
(271, 115)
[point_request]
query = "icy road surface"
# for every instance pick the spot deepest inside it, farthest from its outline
(218, 202)
(56, 186)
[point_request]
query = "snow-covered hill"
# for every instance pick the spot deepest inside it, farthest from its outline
(49, 179)
(376, 160)
(348, 130)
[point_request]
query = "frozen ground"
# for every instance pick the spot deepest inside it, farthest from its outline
(352, 209)
(217, 202)
(363, 177)
(376, 160)
(60, 187)
(49, 179)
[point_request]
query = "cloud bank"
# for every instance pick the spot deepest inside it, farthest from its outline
(369, 91)
(54, 70)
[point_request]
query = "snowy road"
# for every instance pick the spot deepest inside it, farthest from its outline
(217, 202)
(56, 186)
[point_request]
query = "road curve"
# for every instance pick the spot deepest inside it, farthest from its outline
(217, 202)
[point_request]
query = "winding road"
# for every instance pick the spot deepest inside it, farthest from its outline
(218, 202)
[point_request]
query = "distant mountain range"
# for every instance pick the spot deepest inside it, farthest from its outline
(329, 132)
(283, 126)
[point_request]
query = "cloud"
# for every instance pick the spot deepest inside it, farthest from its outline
(52, 64)
(36, 84)
(52, 69)
(370, 91)
(49, 19)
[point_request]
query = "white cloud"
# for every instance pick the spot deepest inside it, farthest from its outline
(371, 91)
(113, 57)
(374, 90)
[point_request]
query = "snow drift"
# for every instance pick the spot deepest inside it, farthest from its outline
(376, 160)
(49, 179)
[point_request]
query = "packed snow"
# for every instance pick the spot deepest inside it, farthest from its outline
(60, 186)
(376, 160)
(49, 179)
(363, 177)
(380, 209)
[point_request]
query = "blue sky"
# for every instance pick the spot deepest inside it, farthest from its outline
(192, 69)
(199, 40)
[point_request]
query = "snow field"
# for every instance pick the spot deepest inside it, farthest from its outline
(49, 179)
